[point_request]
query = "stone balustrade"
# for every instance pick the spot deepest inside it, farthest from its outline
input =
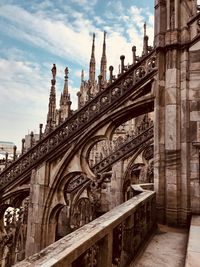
(111, 240)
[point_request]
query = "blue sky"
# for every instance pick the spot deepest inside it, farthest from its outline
(35, 34)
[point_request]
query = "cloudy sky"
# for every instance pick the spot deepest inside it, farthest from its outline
(35, 34)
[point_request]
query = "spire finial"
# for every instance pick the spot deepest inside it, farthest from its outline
(82, 75)
(93, 45)
(145, 29)
(65, 90)
(53, 70)
(104, 39)
(66, 72)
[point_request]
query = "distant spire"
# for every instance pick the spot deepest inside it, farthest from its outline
(104, 60)
(61, 99)
(65, 103)
(145, 29)
(65, 90)
(92, 63)
(145, 41)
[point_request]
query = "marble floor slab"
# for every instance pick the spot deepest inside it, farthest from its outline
(167, 248)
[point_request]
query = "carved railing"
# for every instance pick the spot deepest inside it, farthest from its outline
(125, 149)
(72, 126)
(110, 240)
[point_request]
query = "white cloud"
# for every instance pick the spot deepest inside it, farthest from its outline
(24, 90)
(73, 40)
(115, 7)
(53, 36)
(66, 36)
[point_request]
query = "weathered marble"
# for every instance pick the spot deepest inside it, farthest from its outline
(193, 248)
(166, 248)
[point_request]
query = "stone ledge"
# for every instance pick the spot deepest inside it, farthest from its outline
(193, 248)
(66, 250)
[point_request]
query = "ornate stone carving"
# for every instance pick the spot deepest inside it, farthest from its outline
(89, 258)
(75, 183)
(117, 248)
(75, 123)
(13, 240)
(127, 146)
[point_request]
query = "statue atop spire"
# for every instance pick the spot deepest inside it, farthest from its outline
(51, 116)
(53, 70)
(92, 63)
(66, 72)
(82, 76)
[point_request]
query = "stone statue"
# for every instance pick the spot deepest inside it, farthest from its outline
(53, 70)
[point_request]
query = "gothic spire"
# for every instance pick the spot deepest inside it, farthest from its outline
(92, 63)
(104, 60)
(65, 102)
(51, 116)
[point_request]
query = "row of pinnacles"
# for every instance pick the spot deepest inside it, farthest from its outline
(15, 217)
(88, 88)
(173, 68)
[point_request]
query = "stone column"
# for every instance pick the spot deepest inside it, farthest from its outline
(184, 139)
(159, 139)
(172, 137)
(194, 116)
(172, 115)
(159, 110)
(38, 189)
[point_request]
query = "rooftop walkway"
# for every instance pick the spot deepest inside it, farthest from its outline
(193, 247)
(167, 248)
